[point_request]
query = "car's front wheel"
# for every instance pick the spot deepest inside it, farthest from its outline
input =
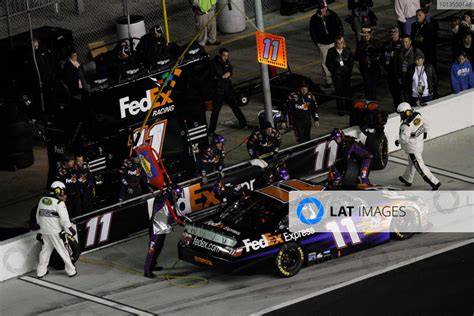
(289, 260)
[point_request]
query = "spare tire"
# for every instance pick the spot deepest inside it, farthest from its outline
(351, 176)
(377, 144)
(74, 249)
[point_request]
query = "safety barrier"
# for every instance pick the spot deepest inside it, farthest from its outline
(19, 255)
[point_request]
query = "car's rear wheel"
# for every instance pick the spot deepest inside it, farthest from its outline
(404, 227)
(289, 260)
(351, 175)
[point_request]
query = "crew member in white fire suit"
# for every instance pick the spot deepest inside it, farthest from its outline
(413, 132)
(52, 218)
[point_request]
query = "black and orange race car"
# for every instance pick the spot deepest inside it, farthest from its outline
(255, 228)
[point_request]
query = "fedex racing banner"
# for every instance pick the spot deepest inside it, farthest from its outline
(378, 211)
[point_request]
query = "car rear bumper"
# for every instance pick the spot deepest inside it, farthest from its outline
(201, 258)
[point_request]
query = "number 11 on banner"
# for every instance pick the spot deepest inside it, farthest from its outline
(271, 49)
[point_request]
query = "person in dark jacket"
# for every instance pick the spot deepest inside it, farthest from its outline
(462, 77)
(390, 48)
(368, 52)
(302, 108)
(68, 174)
(264, 141)
(465, 45)
(133, 179)
(360, 15)
(71, 74)
(153, 48)
(403, 59)
(424, 37)
(324, 27)
(423, 83)
(124, 62)
(221, 71)
(340, 62)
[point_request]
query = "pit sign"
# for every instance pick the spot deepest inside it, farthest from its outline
(271, 49)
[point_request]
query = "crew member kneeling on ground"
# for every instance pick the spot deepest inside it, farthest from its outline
(413, 132)
(52, 218)
(212, 158)
(265, 140)
(351, 149)
(133, 179)
(302, 106)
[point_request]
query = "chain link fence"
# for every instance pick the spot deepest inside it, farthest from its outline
(92, 21)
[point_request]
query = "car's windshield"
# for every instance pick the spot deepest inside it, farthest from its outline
(255, 211)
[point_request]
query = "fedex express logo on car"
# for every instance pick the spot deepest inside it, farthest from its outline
(268, 239)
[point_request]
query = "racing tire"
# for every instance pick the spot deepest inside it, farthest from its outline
(289, 260)
(377, 144)
(243, 99)
(411, 220)
(351, 176)
(57, 263)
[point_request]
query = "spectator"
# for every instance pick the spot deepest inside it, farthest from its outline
(152, 47)
(403, 59)
(462, 77)
(360, 15)
(406, 14)
(204, 11)
(324, 27)
(221, 71)
(389, 50)
(45, 61)
(464, 46)
(368, 55)
(425, 5)
(302, 107)
(423, 81)
(424, 37)
(340, 62)
(463, 26)
(71, 74)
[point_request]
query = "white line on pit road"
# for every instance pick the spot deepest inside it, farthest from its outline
(86, 296)
(435, 170)
(362, 278)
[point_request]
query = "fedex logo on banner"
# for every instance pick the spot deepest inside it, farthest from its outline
(151, 98)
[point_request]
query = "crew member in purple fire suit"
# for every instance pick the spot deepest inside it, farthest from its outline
(351, 149)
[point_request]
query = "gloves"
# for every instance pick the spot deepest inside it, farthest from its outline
(39, 238)
(316, 124)
(93, 193)
(397, 143)
(124, 182)
(130, 191)
(72, 231)
(425, 135)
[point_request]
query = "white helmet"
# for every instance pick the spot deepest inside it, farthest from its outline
(57, 185)
(403, 107)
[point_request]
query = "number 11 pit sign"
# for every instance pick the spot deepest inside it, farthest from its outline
(271, 49)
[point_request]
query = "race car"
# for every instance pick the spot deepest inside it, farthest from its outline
(255, 228)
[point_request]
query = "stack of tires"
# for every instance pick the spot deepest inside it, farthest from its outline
(16, 136)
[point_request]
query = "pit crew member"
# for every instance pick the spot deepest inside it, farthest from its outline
(413, 132)
(68, 174)
(302, 106)
(52, 218)
(350, 148)
(212, 158)
(133, 179)
(265, 140)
